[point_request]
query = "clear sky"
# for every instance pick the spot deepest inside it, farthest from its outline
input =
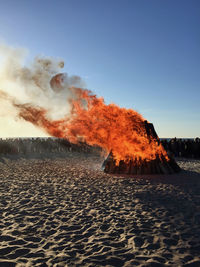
(140, 54)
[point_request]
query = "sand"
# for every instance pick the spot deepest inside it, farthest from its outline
(67, 212)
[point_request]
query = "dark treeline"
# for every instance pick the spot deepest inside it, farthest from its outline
(25, 146)
(187, 148)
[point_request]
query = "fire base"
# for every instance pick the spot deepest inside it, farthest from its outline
(157, 166)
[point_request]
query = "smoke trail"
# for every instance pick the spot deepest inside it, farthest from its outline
(22, 84)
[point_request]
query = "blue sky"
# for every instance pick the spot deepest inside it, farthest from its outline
(140, 54)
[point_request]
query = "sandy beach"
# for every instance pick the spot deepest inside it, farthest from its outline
(67, 212)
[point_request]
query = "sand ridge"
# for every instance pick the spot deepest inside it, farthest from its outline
(67, 212)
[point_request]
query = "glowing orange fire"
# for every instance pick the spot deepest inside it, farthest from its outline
(112, 128)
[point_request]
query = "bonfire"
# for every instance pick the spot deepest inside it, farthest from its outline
(131, 142)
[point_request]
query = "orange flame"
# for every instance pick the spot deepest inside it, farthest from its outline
(115, 129)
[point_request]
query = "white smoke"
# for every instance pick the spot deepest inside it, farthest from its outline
(21, 84)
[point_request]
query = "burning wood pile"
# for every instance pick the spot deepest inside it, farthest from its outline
(63, 109)
(160, 165)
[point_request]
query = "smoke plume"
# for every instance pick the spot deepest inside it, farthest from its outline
(22, 84)
(31, 84)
